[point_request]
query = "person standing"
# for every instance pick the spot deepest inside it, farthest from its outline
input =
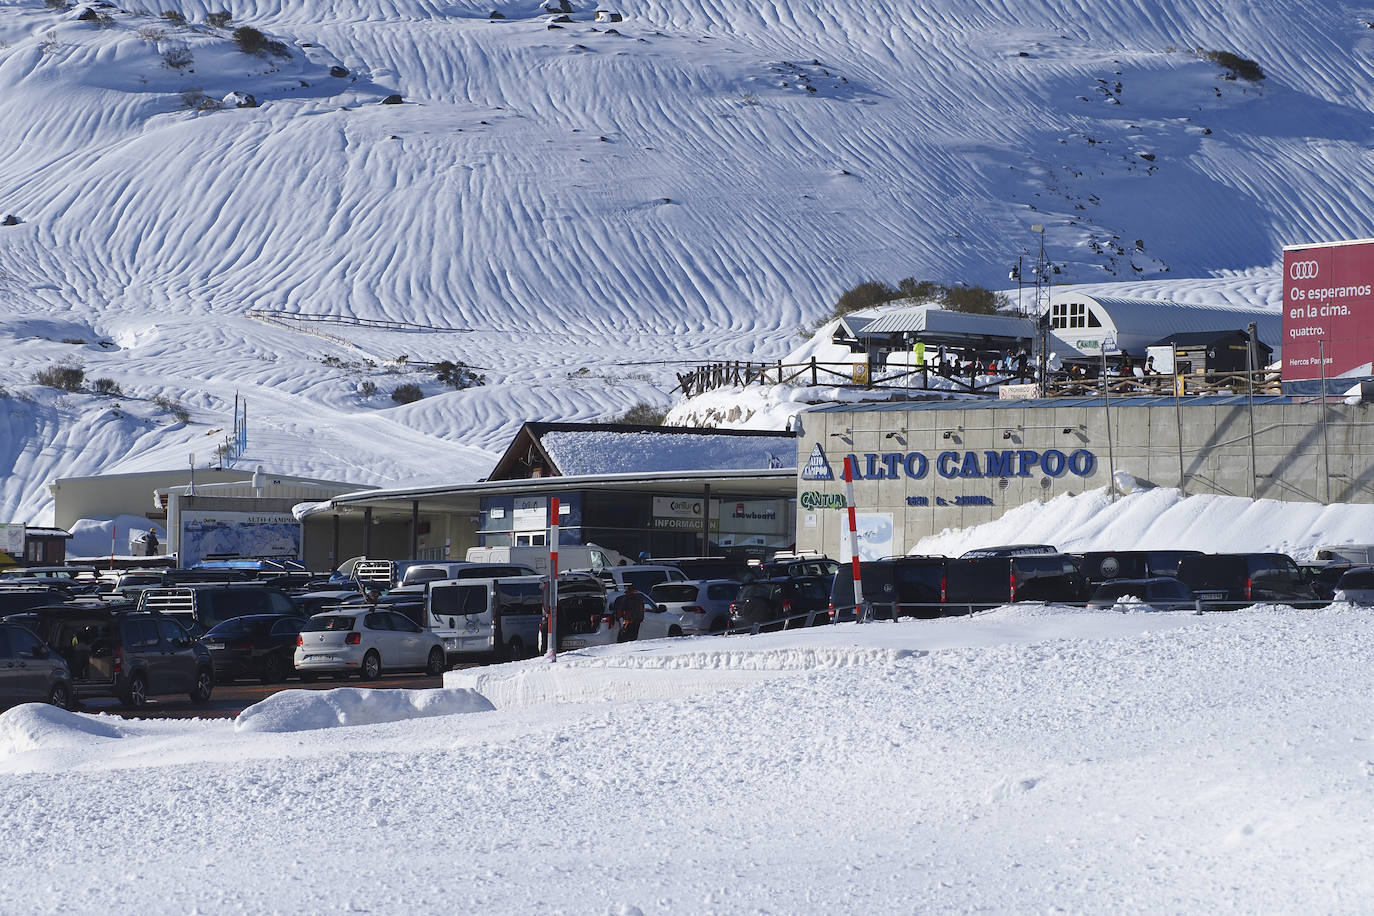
(629, 609)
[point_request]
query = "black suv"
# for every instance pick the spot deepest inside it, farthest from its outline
(1100, 566)
(782, 602)
(124, 653)
(898, 586)
(1232, 580)
(985, 582)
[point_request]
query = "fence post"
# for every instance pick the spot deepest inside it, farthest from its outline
(813, 372)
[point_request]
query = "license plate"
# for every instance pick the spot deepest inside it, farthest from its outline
(574, 643)
(214, 645)
(320, 658)
(1210, 596)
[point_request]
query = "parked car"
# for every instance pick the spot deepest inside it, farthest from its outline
(979, 583)
(782, 603)
(584, 617)
(1231, 580)
(17, 598)
(135, 581)
(688, 608)
(31, 672)
(308, 604)
(418, 574)
(702, 568)
(1010, 550)
(365, 642)
(125, 653)
(262, 646)
(1160, 593)
(1100, 566)
(1324, 576)
(1356, 585)
(78, 580)
(199, 606)
(487, 618)
(911, 586)
(644, 577)
(785, 564)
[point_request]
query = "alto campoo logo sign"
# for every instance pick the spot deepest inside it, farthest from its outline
(817, 468)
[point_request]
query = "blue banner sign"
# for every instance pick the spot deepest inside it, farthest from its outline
(950, 465)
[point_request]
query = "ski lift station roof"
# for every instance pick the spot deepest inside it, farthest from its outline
(934, 324)
(1082, 322)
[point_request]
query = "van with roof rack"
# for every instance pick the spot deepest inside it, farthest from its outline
(199, 606)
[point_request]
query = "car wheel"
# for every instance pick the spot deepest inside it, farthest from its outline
(205, 683)
(515, 648)
(372, 666)
(437, 662)
(60, 695)
(675, 631)
(136, 697)
(273, 669)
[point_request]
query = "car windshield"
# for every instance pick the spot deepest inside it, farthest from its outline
(328, 622)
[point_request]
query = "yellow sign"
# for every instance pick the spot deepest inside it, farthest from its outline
(860, 374)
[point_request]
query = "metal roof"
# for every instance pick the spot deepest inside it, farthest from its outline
(1157, 317)
(930, 319)
(466, 497)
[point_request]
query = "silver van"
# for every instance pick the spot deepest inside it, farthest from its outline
(490, 618)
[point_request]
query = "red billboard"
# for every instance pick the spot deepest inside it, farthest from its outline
(1328, 309)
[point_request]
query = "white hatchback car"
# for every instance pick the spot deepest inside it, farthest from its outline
(1356, 585)
(688, 608)
(367, 641)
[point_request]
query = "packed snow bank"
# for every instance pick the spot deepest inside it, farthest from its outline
(37, 726)
(1163, 518)
(305, 710)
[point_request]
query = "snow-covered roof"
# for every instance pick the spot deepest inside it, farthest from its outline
(613, 452)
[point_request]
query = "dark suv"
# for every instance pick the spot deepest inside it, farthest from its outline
(985, 582)
(1232, 580)
(899, 586)
(782, 602)
(31, 672)
(125, 653)
(1100, 566)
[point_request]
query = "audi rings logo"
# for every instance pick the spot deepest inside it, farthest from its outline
(1303, 270)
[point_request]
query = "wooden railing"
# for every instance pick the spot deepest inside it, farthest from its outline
(1189, 384)
(847, 375)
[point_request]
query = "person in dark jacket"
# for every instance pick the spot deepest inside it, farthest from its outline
(629, 609)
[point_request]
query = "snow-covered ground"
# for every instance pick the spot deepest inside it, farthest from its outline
(1027, 759)
(581, 210)
(1018, 761)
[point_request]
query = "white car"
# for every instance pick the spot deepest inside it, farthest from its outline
(688, 608)
(1356, 585)
(367, 641)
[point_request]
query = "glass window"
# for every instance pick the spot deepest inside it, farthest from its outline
(327, 622)
(23, 643)
(377, 621)
(674, 592)
(403, 624)
(171, 630)
(722, 591)
(288, 627)
(140, 633)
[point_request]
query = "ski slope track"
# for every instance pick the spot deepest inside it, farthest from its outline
(585, 207)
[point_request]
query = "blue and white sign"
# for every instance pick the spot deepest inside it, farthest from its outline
(817, 468)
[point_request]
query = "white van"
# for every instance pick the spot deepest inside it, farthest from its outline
(1357, 554)
(571, 556)
(486, 618)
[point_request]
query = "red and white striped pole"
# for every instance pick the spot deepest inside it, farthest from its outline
(553, 579)
(859, 614)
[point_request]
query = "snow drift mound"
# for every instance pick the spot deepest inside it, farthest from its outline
(37, 726)
(305, 710)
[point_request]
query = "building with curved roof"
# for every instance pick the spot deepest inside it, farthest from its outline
(1081, 323)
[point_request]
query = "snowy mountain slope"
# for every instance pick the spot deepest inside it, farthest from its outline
(595, 201)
